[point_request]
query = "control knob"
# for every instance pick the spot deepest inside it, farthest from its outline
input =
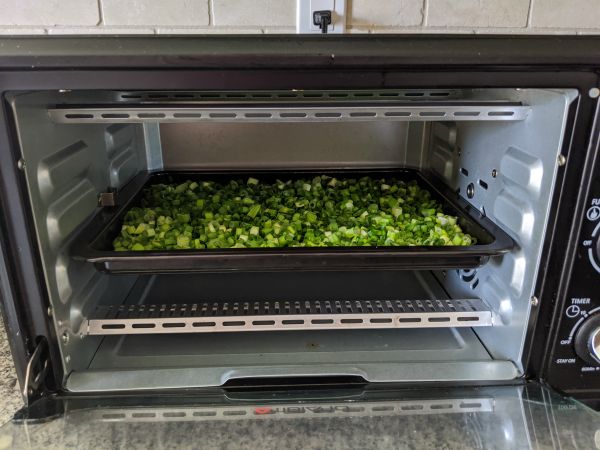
(587, 340)
(593, 243)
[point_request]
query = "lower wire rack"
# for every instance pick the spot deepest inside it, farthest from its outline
(282, 315)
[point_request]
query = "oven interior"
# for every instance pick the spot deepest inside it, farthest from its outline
(498, 148)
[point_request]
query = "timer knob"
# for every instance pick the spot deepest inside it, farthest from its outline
(587, 340)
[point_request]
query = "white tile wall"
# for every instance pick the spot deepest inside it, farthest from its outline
(256, 13)
(478, 13)
(10, 31)
(579, 14)
(99, 30)
(207, 30)
(385, 13)
(22, 17)
(49, 13)
(154, 12)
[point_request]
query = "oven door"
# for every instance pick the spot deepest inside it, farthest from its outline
(518, 416)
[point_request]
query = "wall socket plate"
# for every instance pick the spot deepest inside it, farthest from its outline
(304, 15)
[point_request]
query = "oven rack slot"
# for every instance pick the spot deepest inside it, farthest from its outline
(209, 317)
(330, 112)
(289, 95)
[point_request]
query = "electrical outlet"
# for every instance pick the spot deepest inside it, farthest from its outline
(306, 8)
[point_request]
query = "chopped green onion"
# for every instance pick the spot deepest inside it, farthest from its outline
(318, 212)
(254, 211)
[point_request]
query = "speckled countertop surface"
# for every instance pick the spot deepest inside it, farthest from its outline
(10, 397)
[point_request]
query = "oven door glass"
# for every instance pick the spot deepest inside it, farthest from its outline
(503, 417)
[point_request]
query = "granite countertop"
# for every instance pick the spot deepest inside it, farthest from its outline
(9, 387)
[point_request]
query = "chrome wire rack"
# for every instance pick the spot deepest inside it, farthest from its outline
(283, 315)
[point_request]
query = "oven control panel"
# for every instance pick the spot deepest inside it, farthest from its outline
(592, 244)
(576, 354)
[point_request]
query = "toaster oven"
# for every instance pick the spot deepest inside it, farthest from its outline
(502, 132)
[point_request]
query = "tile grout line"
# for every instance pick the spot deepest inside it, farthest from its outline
(211, 19)
(529, 14)
(100, 14)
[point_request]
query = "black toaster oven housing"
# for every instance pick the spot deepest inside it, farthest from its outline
(286, 62)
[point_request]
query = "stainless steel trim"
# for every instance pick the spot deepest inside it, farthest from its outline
(298, 113)
(281, 315)
(154, 156)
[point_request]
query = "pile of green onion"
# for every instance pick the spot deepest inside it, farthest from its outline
(320, 212)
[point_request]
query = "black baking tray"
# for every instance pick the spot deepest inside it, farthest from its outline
(94, 241)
